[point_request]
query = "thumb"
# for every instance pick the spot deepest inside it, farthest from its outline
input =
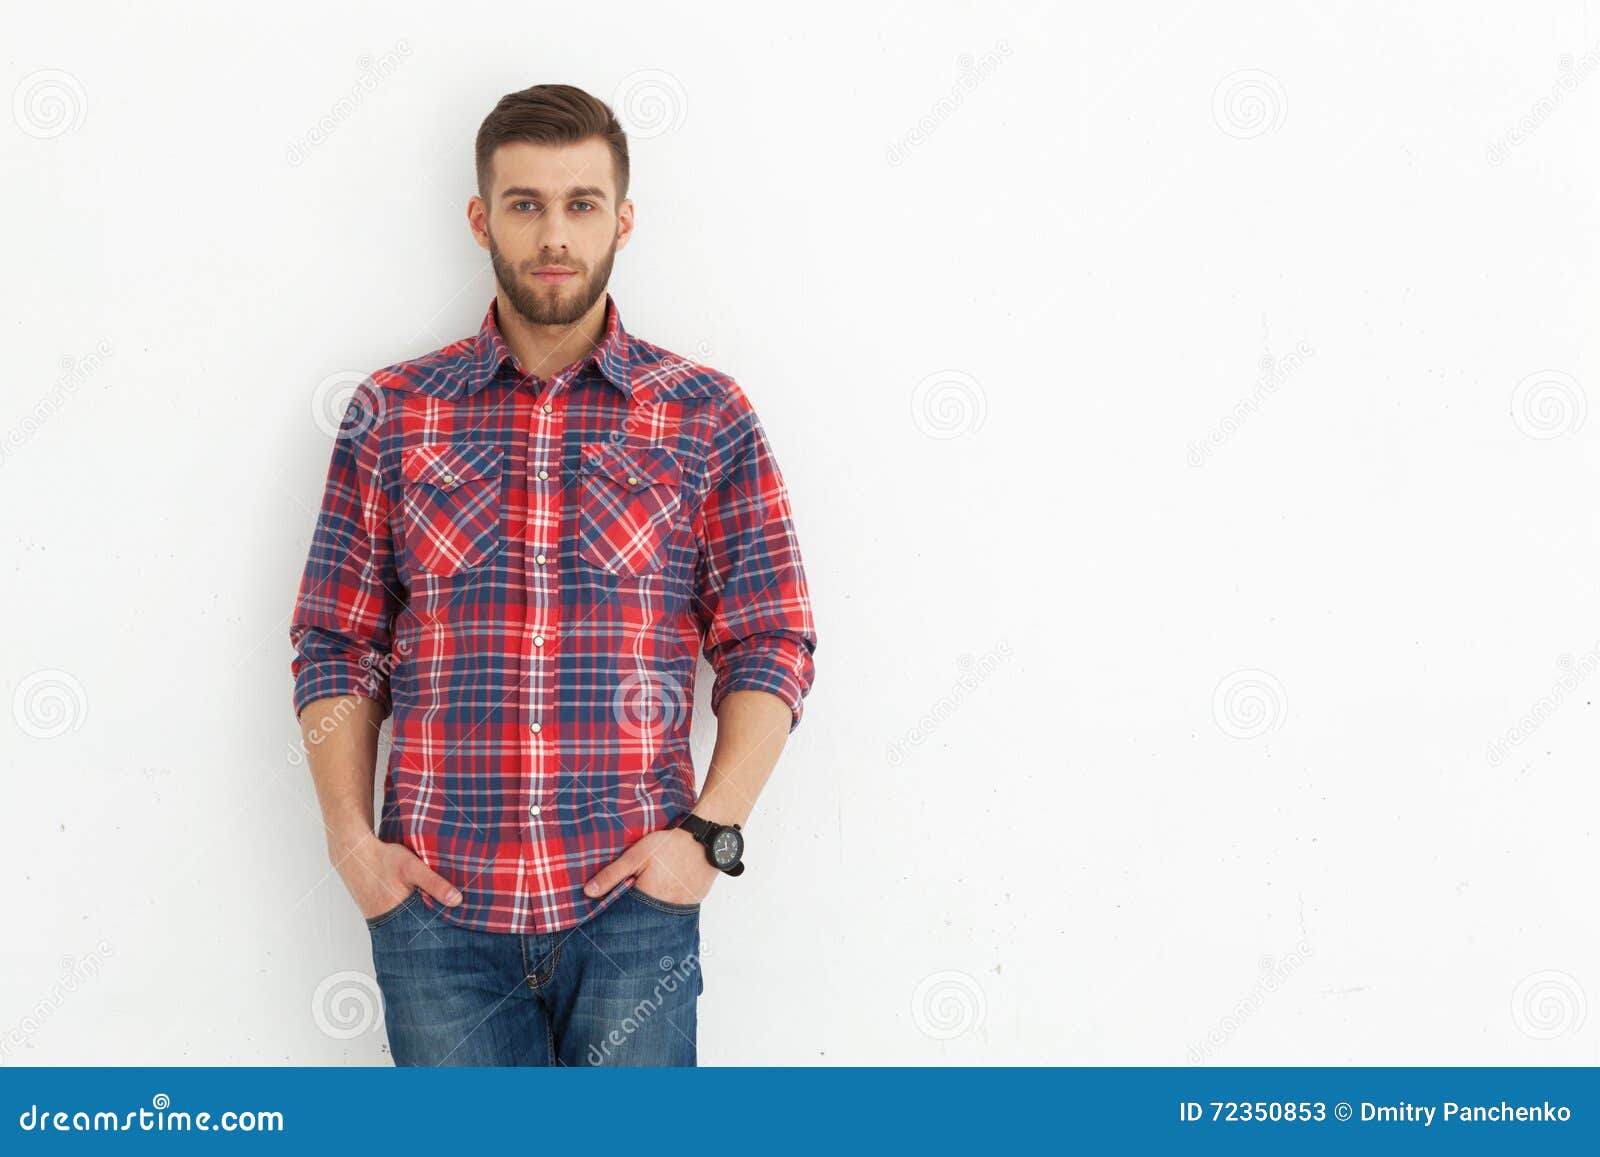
(613, 873)
(435, 885)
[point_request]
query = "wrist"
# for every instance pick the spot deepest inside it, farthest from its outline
(720, 811)
(347, 838)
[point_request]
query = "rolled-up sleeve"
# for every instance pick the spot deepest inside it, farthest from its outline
(343, 619)
(752, 602)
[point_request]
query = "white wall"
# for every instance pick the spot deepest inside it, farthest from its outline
(1115, 747)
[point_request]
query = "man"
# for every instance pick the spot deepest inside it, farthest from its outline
(525, 540)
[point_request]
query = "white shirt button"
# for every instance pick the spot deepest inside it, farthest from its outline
(533, 810)
(538, 640)
(548, 407)
(543, 476)
(539, 558)
(535, 728)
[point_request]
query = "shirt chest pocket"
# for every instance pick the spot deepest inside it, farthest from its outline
(451, 506)
(628, 505)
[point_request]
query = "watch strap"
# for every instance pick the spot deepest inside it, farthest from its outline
(697, 827)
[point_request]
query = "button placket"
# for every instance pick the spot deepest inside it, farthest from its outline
(544, 497)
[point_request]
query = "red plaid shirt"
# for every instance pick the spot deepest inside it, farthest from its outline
(523, 574)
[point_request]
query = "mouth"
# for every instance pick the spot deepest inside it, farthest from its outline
(553, 274)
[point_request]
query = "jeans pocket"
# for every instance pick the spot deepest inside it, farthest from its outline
(667, 906)
(390, 913)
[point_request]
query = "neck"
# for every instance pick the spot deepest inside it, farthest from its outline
(545, 350)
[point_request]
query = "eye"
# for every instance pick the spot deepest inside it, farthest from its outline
(589, 203)
(517, 205)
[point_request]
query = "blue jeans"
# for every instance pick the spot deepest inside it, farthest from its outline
(618, 989)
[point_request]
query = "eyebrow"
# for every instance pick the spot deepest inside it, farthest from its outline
(592, 192)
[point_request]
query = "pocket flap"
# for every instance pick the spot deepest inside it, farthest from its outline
(449, 464)
(634, 467)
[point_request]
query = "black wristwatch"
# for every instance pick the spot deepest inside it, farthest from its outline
(724, 842)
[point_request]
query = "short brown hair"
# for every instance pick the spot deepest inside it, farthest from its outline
(551, 114)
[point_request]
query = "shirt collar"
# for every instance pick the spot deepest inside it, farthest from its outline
(490, 352)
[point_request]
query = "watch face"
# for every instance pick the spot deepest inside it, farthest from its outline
(726, 847)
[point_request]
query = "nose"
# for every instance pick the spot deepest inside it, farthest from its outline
(552, 236)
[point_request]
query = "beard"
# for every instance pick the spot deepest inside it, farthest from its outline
(561, 304)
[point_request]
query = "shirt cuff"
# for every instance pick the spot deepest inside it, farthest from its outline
(780, 665)
(330, 677)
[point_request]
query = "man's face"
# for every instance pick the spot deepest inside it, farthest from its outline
(552, 227)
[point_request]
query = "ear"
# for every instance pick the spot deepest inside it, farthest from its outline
(624, 223)
(478, 220)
